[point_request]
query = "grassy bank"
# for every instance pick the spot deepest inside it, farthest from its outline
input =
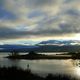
(13, 73)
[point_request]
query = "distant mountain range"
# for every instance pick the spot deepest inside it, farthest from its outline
(21, 48)
(60, 42)
(60, 46)
(45, 46)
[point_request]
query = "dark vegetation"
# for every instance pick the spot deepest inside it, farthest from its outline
(14, 73)
(33, 55)
(75, 55)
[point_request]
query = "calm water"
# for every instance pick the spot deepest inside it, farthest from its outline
(43, 67)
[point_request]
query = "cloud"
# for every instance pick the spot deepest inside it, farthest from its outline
(23, 7)
(6, 14)
(6, 33)
(38, 18)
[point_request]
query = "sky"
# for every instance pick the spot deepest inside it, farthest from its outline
(36, 20)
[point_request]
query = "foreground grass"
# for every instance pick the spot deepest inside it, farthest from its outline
(14, 73)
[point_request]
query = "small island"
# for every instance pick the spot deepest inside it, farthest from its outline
(35, 56)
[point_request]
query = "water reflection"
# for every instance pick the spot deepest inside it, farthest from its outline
(76, 69)
(43, 67)
(76, 63)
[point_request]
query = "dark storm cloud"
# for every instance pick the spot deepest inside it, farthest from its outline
(6, 33)
(69, 28)
(9, 33)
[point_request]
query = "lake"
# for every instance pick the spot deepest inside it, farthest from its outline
(43, 67)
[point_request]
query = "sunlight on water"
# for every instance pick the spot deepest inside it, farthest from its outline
(76, 65)
(77, 71)
(43, 67)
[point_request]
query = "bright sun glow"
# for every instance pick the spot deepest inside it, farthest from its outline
(77, 71)
(77, 36)
(77, 68)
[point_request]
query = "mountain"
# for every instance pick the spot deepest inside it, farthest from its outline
(45, 46)
(20, 48)
(60, 42)
(59, 46)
